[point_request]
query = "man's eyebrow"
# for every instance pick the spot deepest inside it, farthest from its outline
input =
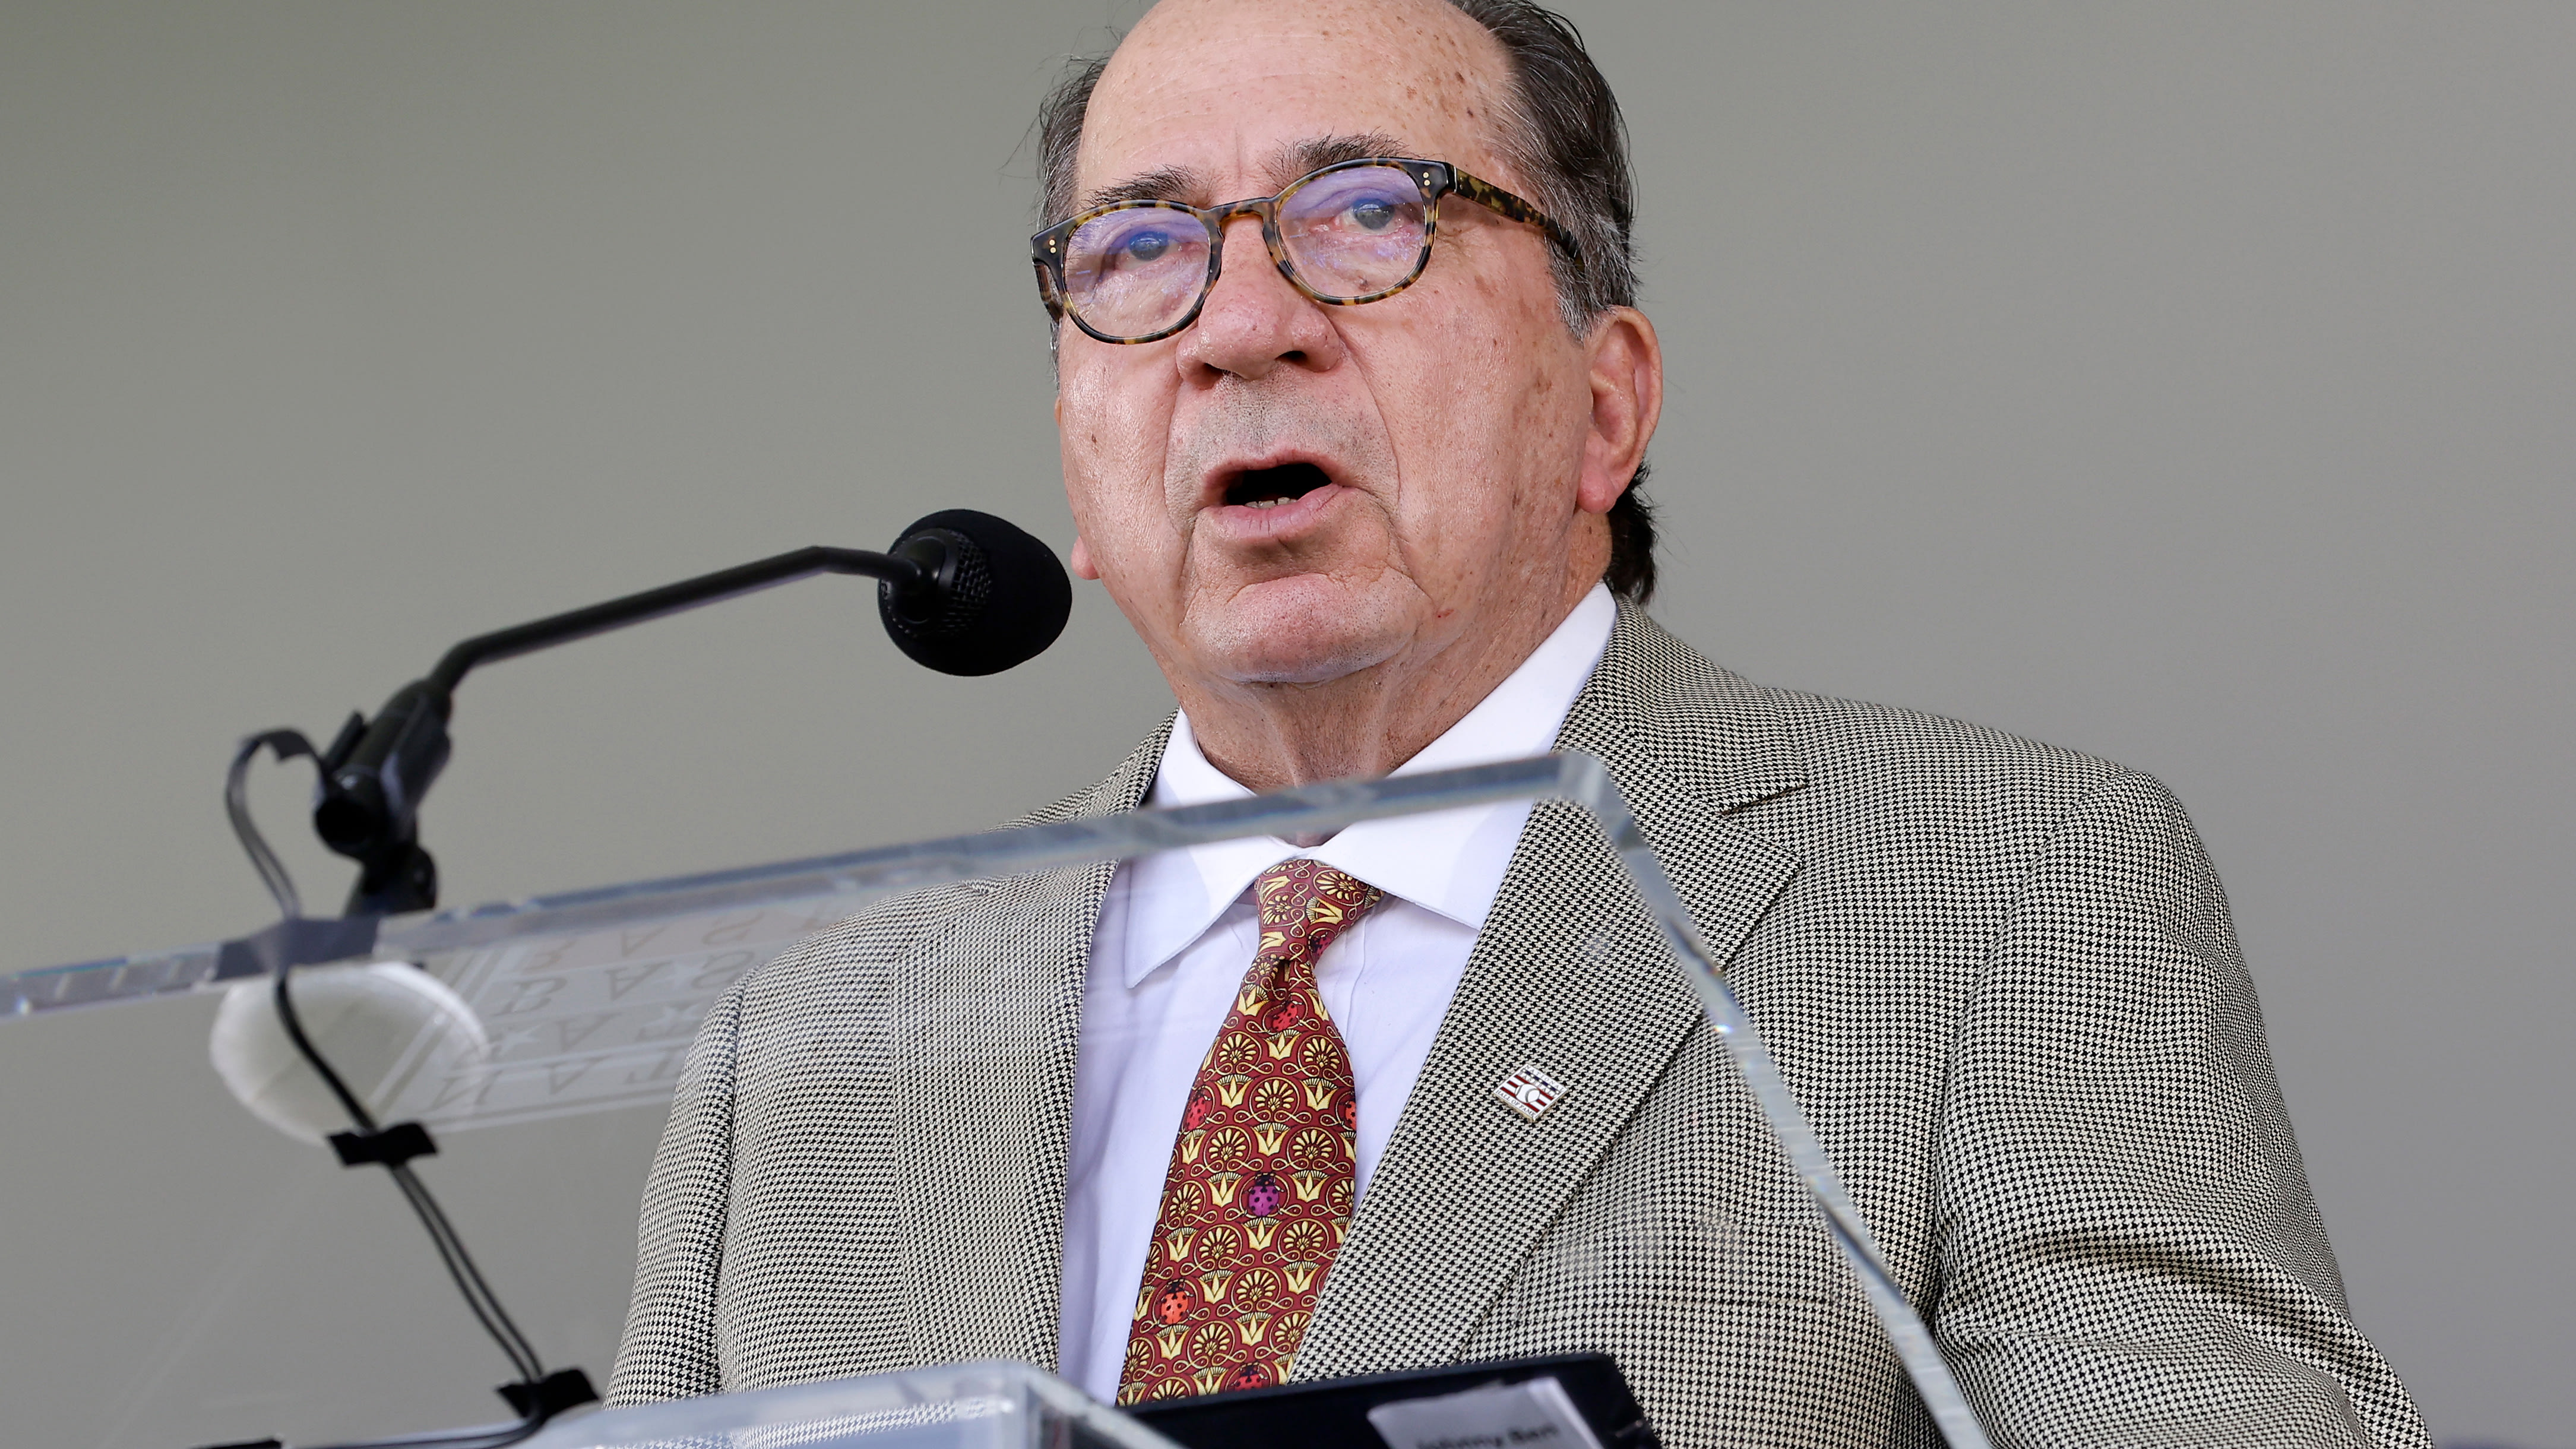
(1290, 161)
(1163, 183)
(1296, 158)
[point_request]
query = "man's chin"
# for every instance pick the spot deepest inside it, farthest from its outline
(1291, 635)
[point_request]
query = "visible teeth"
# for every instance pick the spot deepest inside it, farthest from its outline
(1266, 502)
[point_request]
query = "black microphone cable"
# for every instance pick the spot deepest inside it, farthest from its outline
(537, 1395)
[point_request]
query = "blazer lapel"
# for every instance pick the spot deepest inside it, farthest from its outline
(988, 1015)
(1568, 976)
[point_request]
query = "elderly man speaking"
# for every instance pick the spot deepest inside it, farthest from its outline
(1367, 488)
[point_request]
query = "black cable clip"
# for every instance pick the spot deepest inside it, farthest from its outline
(563, 1389)
(387, 1146)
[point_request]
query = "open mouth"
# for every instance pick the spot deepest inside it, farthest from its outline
(1270, 487)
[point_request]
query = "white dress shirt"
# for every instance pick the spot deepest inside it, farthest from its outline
(1176, 935)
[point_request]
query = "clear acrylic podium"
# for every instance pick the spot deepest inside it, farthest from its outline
(991, 1405)
(591, 999)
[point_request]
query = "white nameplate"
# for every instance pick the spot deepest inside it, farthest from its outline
(1536, 1414)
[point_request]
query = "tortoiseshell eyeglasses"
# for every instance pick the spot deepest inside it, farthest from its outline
(1348, 233)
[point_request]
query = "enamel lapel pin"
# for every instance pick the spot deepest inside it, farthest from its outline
(1529, 1092)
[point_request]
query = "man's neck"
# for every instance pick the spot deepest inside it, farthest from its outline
(1364, 724)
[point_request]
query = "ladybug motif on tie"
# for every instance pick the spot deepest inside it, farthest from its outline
(1202, 1106)
(1265, 1196)
(1173, 1302)
(1248, 1376)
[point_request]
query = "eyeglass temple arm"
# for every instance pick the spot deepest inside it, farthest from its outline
(1495, 199)
(1047, 289)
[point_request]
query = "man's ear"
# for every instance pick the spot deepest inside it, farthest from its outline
(1626, 362)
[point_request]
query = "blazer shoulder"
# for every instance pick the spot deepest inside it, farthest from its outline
(1852, 743)
(1123, 788)
(891, 929)
(1822, 756)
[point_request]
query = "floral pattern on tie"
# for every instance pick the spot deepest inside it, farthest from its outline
(1259, 1193)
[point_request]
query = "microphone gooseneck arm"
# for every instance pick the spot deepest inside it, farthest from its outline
(908, 570)
(375, 772)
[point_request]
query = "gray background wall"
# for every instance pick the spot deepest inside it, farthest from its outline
(2189, 383)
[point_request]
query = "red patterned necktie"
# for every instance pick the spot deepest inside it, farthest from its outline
(1263, 1175)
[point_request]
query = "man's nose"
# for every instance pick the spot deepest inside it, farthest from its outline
(1254, 320)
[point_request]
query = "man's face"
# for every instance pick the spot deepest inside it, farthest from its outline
(1287, 493)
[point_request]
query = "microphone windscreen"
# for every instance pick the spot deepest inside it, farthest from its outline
(1005, 597)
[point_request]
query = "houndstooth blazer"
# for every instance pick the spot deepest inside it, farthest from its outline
(1999, 976)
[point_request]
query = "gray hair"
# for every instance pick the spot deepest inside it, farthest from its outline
(1563, 135)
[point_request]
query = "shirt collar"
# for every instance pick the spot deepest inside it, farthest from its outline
(1449, 861)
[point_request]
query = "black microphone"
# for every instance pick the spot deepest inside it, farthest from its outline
(990, 598)
(961, 592)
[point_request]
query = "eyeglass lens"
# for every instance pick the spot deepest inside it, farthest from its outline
(1349, 234)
